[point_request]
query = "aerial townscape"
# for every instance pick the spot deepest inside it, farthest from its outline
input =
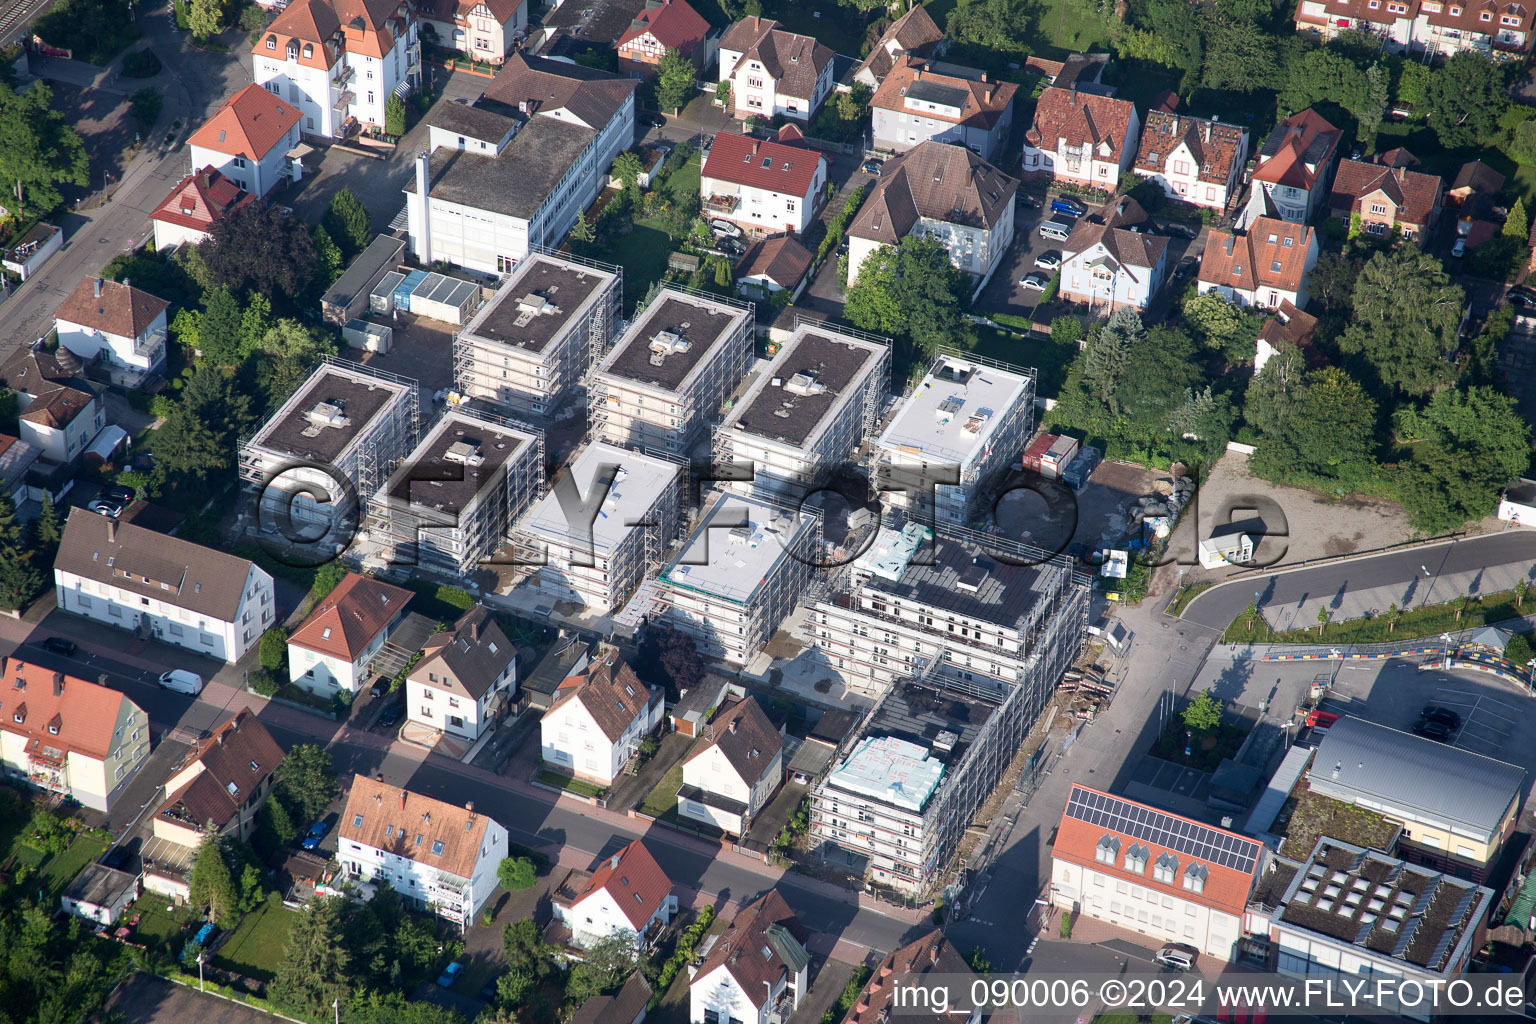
(742, 511)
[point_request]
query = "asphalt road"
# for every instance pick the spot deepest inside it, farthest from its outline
(1217, 607)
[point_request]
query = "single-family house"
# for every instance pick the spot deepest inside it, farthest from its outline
(626, 1006)
(598, 718)
(61, 419)
(330, 651)
(914, 34)
(1294, 167)
(772, 71)
(122, 325)
(731, 776)
(250, 140)
(929, 960)
(660, 26)
(1263, 268)
(221, 783)
(188, 213)
(627, 892)
(1081, 138)
(1475, 185)
(756, 971)
(1386, 199)
(486, 30)
(774, 264)
(17, 458)
(922, 100)
(1110, 266)
(466, 678)
(1195, 159)
(1287, 327)
(764, 186)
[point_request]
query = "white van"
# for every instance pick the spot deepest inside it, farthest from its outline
(182, 681)
(1055, 230)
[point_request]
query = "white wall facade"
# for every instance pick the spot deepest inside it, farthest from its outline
(765, 212)
(1109, 288)
(1143, 909)
(355, 85)
(599, 916)
(480, 35)
(456, 714)
(1086, 165)
(712, 772)
(64, 444)
(452, 897)
(570, 738)
(719, 992)
(144, 354)
(755, 92)
(900, 130)
(257, 177)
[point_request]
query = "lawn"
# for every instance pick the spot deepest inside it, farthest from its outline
(1186, 594)
(256, 946)
(643, 252)
(61, 870)
(1049, 359)
(1428, 621)
(158, 927)
(569, 784)
(1063, 27)
(663, 799)
(838, 26)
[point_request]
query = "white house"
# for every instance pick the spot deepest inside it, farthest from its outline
(1264, 268)
(756, 969)
(188, 213)
(1195, 160)
(62, 420)
(1108, 265)
(100, 894)
(484, 29)
(766, 186)
(1080, 137)
(773, 72)
(914, 34)
(921, 100)
(627, 892)
(123, 325)
(339, 61)
(161, 587)
(1294, 170)
(466, 676)
(598, 719)
(733, 774)
(250, 140)
(331, 649)
(438, 856)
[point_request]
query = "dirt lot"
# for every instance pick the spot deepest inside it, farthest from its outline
(1048, 514)
(106, 126)
(422, 351)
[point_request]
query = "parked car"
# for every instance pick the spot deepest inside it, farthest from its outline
(1445, 716)
(450, 975)
(1178, 955)
(1460, 248)
(379, 688)
(1186, 266)
(1070, 207)
(1027, 201)
(1179, 231)
(125, 495)
(1034, 282)
(652, 120)
(59, 645)
(182, 681)
(1521, 298)
(1432, 730)
(1055, 230)
(106, 507)
(391, 715)
(724, 229)
(318, 831)
(1049, 260)
(731, 246)
(874, 167)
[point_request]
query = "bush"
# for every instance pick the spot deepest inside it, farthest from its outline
(516, 874)
(252, 18)
(264, 683)
(141, 64)
(456, 597)
(274, 649)
(146, 104)
(1066, 926)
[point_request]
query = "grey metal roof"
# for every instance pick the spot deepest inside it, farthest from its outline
(1360, 759)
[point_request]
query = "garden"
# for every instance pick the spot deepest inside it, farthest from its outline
(1199, 737)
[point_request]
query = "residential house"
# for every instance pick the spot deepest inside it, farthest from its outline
(765, 186)
(626, 1006)
(17, 458)
(466, 678)
(339, 61)
(661, 26)
(1110, 266)
(932, 955)
(486, 30)
(756, 971)
(1263, 268)
(1294, 167)
(68, 737)
(1474, 187)
(1386, 199)
(100, 894)
(733, 774)
(221, 783)
(1288, 326)
(570, 29)
(161, 587)
(924, 100)
(627, 893)
(439, 857)
(122, 325)
(914, 34)
(774, 72)
(188, 214)
(1195, 160)
(598, 718)
(550, 130)
(1081, 138)
(1429, 27)
(251, 140)
(1172, 878)
(60, 419)
(330, 651)
(773, 264)
(943, 192)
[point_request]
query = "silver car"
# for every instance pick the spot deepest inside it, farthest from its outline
(1034, 282)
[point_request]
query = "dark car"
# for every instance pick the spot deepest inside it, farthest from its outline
(1070, 207)
(1186, 266)
(379, 688)
(1027, 201)
(1522, 298)
(317, 832)
(390, 716)
(119, 493)
(1432, 730)
(1445, 716)
(653, 120)
(59, 645)
(1179, 231)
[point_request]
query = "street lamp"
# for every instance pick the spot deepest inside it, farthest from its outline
(336, 1006)
(200, 986)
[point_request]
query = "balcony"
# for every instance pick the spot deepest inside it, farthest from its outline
(150, 342)
(343, 75)
(342, 101)
(722, 204)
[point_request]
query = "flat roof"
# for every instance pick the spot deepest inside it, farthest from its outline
(967, 581)
(330, 410)
(738, 543)
(458, 459)
(613, 511)
(794, 398)
(381, 252)
(955, 410)
(891, 770)
(537, 302)
(673, 336)
(942, 721)
(518, 181)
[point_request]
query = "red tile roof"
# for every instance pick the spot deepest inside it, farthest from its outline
(368, 27)
(345, 623)
(1214, 148)
(1248, 262)
(634, 880)
(1297, 151)
(1080, 118)
(200, 199)
(611, 693)
(752, 948)
(1414, 195)
(408, 824)
(792, 60)
(1290, 326)
(250, 124)
(781, 259)
(120, 308)
(763, 163)
(58, 408)
(914, 34)
(984, 100)
(931, 954)
(674, 24)
(236, 760)
(59, 711)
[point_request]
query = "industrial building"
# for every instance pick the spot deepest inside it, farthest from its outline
(965, 421)
(344, 427)
(681, 357)
(738, 575)
(807, 412)
(606, 521)
(540, 334)
(450, 504)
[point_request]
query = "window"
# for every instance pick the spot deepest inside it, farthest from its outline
(1194, 877)
(1165, 869)
(437, 847)
(357, 821)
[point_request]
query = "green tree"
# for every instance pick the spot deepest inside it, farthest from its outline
(146, 104)
(1517, 225)
(516, 874)
(1406, 317)
(681, 214)
(674, 80)
(274, 649)
(1394, 613)
(1239, 57)
(995, 26)
(723, 93)
(306, 780)
(274, 815)
(604, 966)
(1467, 444)
(327, 578)
(1518, 650)
(911, 290)
(346, 220)
(522, 944)
(205, 18)
(329, 263)
(1203, 713)
(1323, 616)
(39, 151)
(1332, 281)
(288, 352)
(1105, 357)
(394, 116)
(1276, 392)
(315, 962)
(628, 168)
(723, 273)
(1464, 99)
(49, 530)
(255, 322)
(211, 886)
(219, 332)
(1332, 434)
(259, 247)
(1158, 373)
(1323, 74)
(1522, 591)
(582, 231)
(1373, 104)
(20, 580)
(1413, 86)
(1224, 327)
(1522, 145)
(187, 445)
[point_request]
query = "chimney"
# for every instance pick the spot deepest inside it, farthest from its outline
(613, 862)
(469, 805)
(983, 76)
(111, 531)
(423, 189)
(402, 799)
(734, 723)
(58, 684)
(379, 777)
(933, 953)
(96, 286)
(1207, 131)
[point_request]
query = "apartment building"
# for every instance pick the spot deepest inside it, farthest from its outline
(466, 678)
(68, 737)
(220, 783)
(339, 61)
(609, 516)
(964, 422)
(804, 416)
(1196, 160)
(927, 100)
(627, 892)
(1110, 261)
(738, 575)
(122, 326)
(1435, 28)
(598, 718)
(196, 202)
(773, 72)
(450, 504)
(538, 336)
(327, 448)
(1171, 878)
(1263, 268)
(669, 373)
(439, 857)
(252, 140)
(732, 774)
(757, 971)
(1386, 200)
(1081, 137)
(332, 649)
(1295, 166)
(764, 186)
(161, 587)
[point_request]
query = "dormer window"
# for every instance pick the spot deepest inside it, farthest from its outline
(1289, 242)
(1166, 868)
(271, 42)
(1136, 859)
(309, 50)
(1194, 877)
(1455, 12)
(1108, 850)
(1274, 266)
(1485, 16)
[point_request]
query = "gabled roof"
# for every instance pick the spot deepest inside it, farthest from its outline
(981, 101)
(1291, 326)
(932, 954)
(1214, 148)
(1414, 195)
(624, 1007)
(673, 24)
(120, 308)
(334, 27)
(59, 407)
(59, 711)
(546, 85)
(635, 881)
(200, 199)
(398, 821)
(236, 760)
(1477, 176)
(1081, 118)
(610, 692)
(346, 622)
(744, 736)
(938, 181)
(37, 370)
(763, 944)
(1273, 254)
(780, 258)
(1110, 226)
(1398, 157)
(251, 123)
(792, 60)
(467, 658)
(1297, 151)
(449, 10)
(767, 164)
(914, 34)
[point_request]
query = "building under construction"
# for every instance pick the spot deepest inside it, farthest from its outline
(666, 378)
(450, 504)
(347, 422)
(540, 334)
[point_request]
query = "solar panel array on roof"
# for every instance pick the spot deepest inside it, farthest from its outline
(1148, 825)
